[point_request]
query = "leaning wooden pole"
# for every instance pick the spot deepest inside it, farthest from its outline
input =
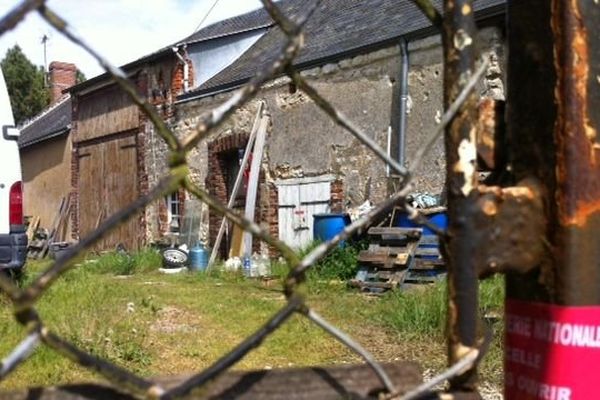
(238, 183)
(459, 35)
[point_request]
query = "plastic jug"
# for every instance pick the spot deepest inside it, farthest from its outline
(198, 258)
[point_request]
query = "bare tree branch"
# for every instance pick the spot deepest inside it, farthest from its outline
(17, 14)
(430, 12)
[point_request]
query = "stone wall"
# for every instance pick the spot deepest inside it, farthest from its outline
(162, 83)
(304, 142)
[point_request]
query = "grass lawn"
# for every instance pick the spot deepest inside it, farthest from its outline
(123, 309)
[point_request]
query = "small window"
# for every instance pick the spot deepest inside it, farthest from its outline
(174, 212)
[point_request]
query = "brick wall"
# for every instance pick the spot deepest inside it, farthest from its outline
(74, 175)
(216, 182)
(337, 196)
(62, 76)
(141, 142)
(270, 215)
(163, 83)
(160, 83)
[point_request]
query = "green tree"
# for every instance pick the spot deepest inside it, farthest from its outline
(25, 84)
(80, 77)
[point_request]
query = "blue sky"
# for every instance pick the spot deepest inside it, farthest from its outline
(122, 30)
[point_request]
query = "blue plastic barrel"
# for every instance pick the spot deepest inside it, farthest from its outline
(440, 219)
(198, 258)
(326, 226)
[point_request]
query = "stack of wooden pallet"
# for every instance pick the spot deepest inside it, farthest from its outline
(397, 257)
(383, 265)
(427, 264)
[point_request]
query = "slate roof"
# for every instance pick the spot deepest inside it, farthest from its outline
(53, 122)
(336, 29)
(57, 120)
(242, 23)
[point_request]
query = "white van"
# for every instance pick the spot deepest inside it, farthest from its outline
(13, 240)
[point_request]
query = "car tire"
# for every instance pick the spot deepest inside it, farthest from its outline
(174, 258)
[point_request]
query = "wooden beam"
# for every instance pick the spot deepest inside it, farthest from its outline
(323, 383)
(253, 181)
(238, 182)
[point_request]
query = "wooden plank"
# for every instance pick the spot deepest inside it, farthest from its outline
(391, 250)
(63, 224)
(408, 232)
(120, 189)
(429, 240)
(236, 242)
(324, 383)
(428, 251)
(253, 180)
(394, 236)
(384, 261)
(34, 224)
(427, 266)
(236, 188)
(288, 196)
(105, 112)
(314, 199)
(108, 182)
(424, 279)
(91, 194)
(55, 224)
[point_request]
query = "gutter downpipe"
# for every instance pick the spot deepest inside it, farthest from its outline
(403, 101)
(186, 68)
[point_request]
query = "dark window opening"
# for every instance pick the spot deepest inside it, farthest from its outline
(231, 161)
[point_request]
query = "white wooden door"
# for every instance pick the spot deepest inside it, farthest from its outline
(299, 201)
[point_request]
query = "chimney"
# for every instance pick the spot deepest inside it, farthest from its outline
(62, 76)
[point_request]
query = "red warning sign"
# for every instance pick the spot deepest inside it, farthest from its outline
(551, 352)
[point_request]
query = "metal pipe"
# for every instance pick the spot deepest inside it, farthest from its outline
(403, 101)
(389, 150)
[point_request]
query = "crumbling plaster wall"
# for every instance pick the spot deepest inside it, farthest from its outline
(303, 141)
(426, 101)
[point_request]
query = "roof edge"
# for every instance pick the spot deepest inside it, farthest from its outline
(52, 135)
(45, 112)
(127, 68)
(481, 16)
(255, 28)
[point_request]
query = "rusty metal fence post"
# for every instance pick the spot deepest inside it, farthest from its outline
(459, 34)
(553, 119)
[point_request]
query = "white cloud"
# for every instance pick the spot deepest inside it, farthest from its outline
(120, 30)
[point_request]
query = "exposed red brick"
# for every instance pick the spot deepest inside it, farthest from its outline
(62, 76)
(337, 196)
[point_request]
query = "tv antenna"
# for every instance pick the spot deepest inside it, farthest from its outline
(45, 39)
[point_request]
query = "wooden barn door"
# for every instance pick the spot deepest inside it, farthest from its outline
(299, 200)
(108, 182)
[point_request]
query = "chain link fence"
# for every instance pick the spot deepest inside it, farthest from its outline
(24, 299)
